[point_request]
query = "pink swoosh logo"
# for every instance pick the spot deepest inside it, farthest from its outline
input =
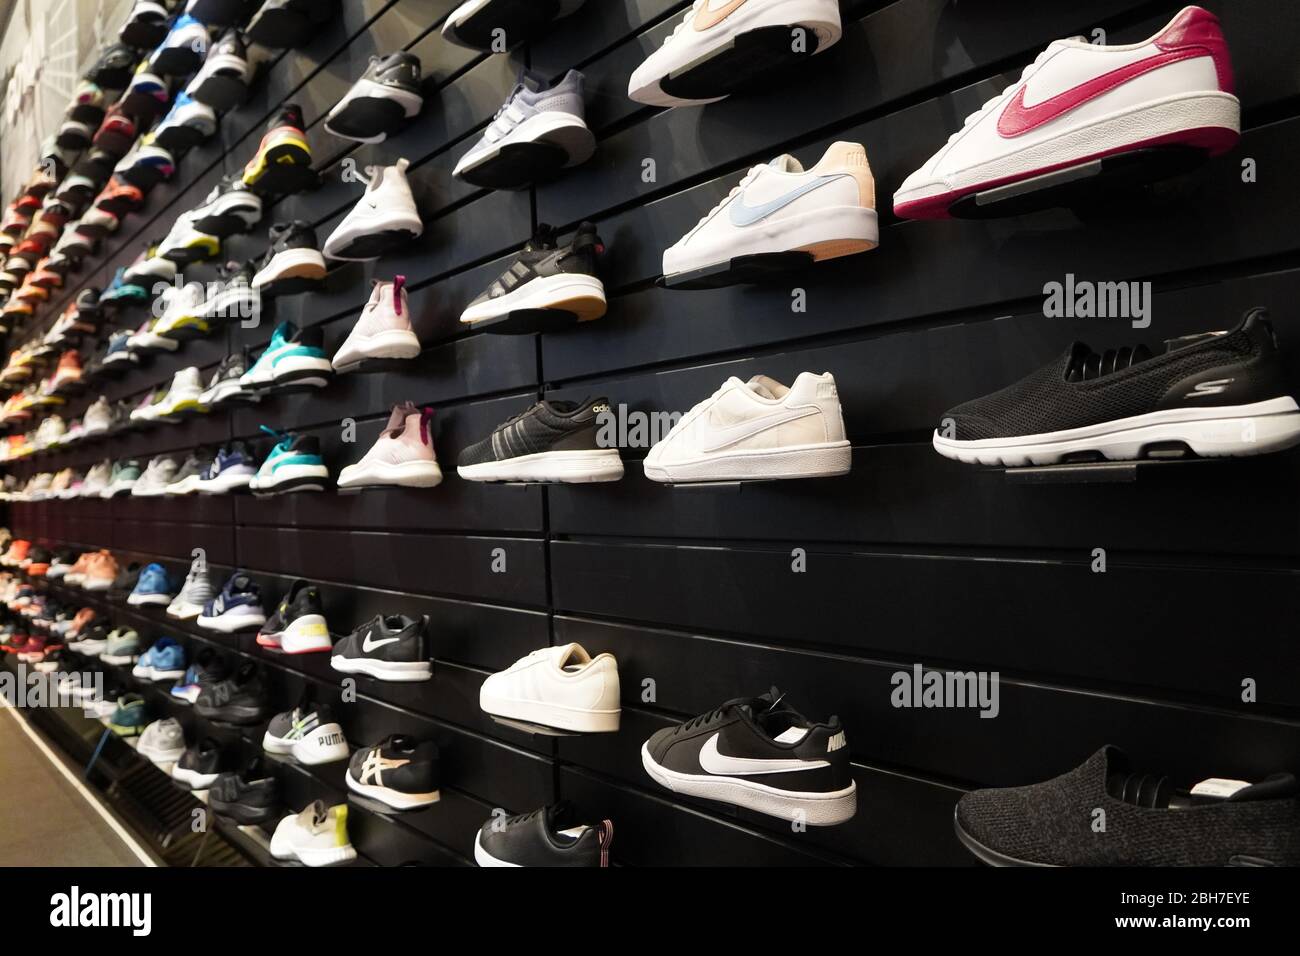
(1018, 119)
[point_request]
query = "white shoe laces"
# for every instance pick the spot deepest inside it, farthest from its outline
(979, 114)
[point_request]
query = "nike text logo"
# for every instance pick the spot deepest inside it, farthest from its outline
(742, 215)
(731, 434)
(720, 764)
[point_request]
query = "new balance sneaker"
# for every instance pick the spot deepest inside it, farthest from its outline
(294, 463)
(382, 332)
(718, 49)
(186, 124)
(1083, 103)
(164, 661)
(762, 754)
(282, 163)
(385, 218)
(551, 836)
(403, 454)
(248, 796)
(318, 836)
(229, 208)
(200, 765)
(475, 23)
(225, 386)
(399, 771)
(298, 625)
(232, 469)
(194, 594)
(539, 130)
(289, 23)
(386, 95)
(393, 648)
(561, 687)
(547, 282)
(243, 698)
(123, 646)
(183, 49)
(237, 607)
(780, 218)
(208, 668)
(550, 441)
(1214, 394)
(187, 477)
(309, 733)
(757, 430)
(153, 588)
(293, 263)
(222, 83)
(125, 474)
(155, 478)
(294, 357)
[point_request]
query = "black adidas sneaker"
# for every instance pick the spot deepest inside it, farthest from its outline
(393, 648)
(385, 96)
(549, 278)
(1217, 394)
(1150, 820)
(550, 441)
(761, 754)
(400, 772)
(545, 837)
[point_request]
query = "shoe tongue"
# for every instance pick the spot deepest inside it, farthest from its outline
(785, 163)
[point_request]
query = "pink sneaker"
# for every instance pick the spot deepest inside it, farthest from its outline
(383, 331)
(403, 455)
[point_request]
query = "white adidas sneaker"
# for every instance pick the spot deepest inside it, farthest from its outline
(562, 687)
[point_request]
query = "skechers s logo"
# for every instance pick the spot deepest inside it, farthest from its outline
(1217, 387)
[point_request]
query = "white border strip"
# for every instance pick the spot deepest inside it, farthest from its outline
(123, 834)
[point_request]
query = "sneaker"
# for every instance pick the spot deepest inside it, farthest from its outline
(561, 687)
(187, 124)
(249, 796)
(200, 765)
(146, 339)
(778, 219)
(89, 100)
(149, 268)
(393, 648)
(153, 482)
(243, 698)
(222, 83)
(232, 297)
(757, 430)
(123, 646)
(127, 578)
(551, 441)
(68, 371)
(282, 163)
(119, 351)
(232, 469)
(185, 243)
(229, 208)
(224, 387)
(146, 24)
(386, 95)
(164, 661)
(207, 668)
(97, 479)
(761, 754)
(293, 464)
(220, 13)
(383, 331)
(182, 50)
(1174, 89)
(119, 198)
(539, 130)
(546, 837)
(385, 219)
(715, 51)
(146, 165)
(187, 477)
(309, 733)
(113, 68)
(98, 222)
(182, 317)
(475, 23)
(294, 356)
(289, 23)
(194, 594)
(115, 136)
(547, 279)
(292, 263)
(318, 836)
(74, 134)
(121, 292)
(146, 97)
(402, 456)
(125, 474)
(298, 625)
(129, 716)
(399, 771)
(153, 588)
(237, 607)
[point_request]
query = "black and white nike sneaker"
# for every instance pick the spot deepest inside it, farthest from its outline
(761, 754)
(1215, 394)
(393, 648)
(552, 441)
(547, 283)
(545, 837)
(400, 772)
(385, 96)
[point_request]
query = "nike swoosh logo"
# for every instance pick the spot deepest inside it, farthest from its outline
(369, 645)
(743, 215)
(707, 19)
(731, 434)
(722, 765)
(1018, 119)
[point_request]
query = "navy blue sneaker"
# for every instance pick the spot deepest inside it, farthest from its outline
(237, 607)
(231, 470)
(153, 587)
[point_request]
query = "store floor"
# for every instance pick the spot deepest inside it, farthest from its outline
(47, 821)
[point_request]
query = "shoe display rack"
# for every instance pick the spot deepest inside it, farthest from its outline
(1151, 613)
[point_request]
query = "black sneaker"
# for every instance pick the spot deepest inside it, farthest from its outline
(225, 387)
(220, 13)
(1217, 394)
(289, 23)
(761, 754)
(126, 580)
(309, 733)
(386, 95)
(242, 698)
(547, 283)
(293, 263)
(298, 624)
(201, 764)
(393, 648)
(551, 441)
(113, 69)
(400, 772)
(222, 82)
(249, 796)
(1150, 820)
(474, 23)
(229, 208)
(545, 837)
(146, 25)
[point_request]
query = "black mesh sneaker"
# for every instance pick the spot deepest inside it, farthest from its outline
(385, 96)
(241, 699)
(201, 764)
(1215, 394)
(1150, 820)
(248, 796)
(551, 441)
(289, 23)
(298, 624)
(762, 754)
(222, 83)
(293, 263)
(547, 277)
(545, 837)
(392, 648)
(400, 772)
(112, 71)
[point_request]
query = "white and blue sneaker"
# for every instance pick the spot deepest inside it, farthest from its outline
(294, 464)
(231, 470)
(164, 661)
(182, 50)
(294, 356)
(237, 608)
(153, 587)
(186, 124)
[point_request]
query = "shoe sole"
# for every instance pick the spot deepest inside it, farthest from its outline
(551, 715)
(825, 460)
(534, 151)
(580, 296)
(371, 111)
(986, 855)
(391, 671)
(409, 474)
(394, 798)
(567, 467)
(291, 272)
(473, 24)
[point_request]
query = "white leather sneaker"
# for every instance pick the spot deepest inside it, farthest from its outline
(562, 687)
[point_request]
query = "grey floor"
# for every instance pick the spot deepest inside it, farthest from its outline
(44, 820)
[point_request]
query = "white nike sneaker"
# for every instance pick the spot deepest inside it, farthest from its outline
(723, 45)
(385, 218)
(778, 218)
(1080, 103)
(562, 687)
(757, 430)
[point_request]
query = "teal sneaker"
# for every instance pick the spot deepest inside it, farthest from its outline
(294, 464)
(295, 357)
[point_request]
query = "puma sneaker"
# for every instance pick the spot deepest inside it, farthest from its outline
(309, 733)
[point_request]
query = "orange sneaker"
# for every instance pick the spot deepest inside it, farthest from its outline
(101, 571)
(69, 368)
(282, 163)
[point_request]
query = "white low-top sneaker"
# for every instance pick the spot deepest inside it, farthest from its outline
(561, 687)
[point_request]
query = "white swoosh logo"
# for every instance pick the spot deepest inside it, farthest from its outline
(722, 765)
(368, 645)
(725, 435)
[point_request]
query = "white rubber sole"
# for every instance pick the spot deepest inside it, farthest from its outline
(291, 477)
(118, 659)
(223, 484)
(142, 600)
(823, 460)
(307, 634)
(350, 230)
(223, 392)
(395, 671)
(551, 715)
(230, 622)
(1223, 431)
(390, 344)
(291, 264)
(394, 798)
(582, 294)
(281, 849)
(185, 612)
(814, 809)
(407, 474)
(564, 130)
(193, 779)
(576, 467)
(483, 858)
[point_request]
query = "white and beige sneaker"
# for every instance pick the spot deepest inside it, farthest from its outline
(561, 687)
(318, 836)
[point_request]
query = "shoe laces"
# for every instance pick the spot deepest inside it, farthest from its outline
(979, 114)
(736, 190)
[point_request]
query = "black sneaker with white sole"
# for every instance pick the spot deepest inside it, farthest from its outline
(222, 82)
(475, 23)
(290, 23)
(762, 754)
(201, 764)
(378, 103)
(243, 698)
(546, 837)
(1215, 394)
(552, 441)
(229, 208)
(399, 771)
(248, 796)
(392, 648)
(548, 286)
(293, 263)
